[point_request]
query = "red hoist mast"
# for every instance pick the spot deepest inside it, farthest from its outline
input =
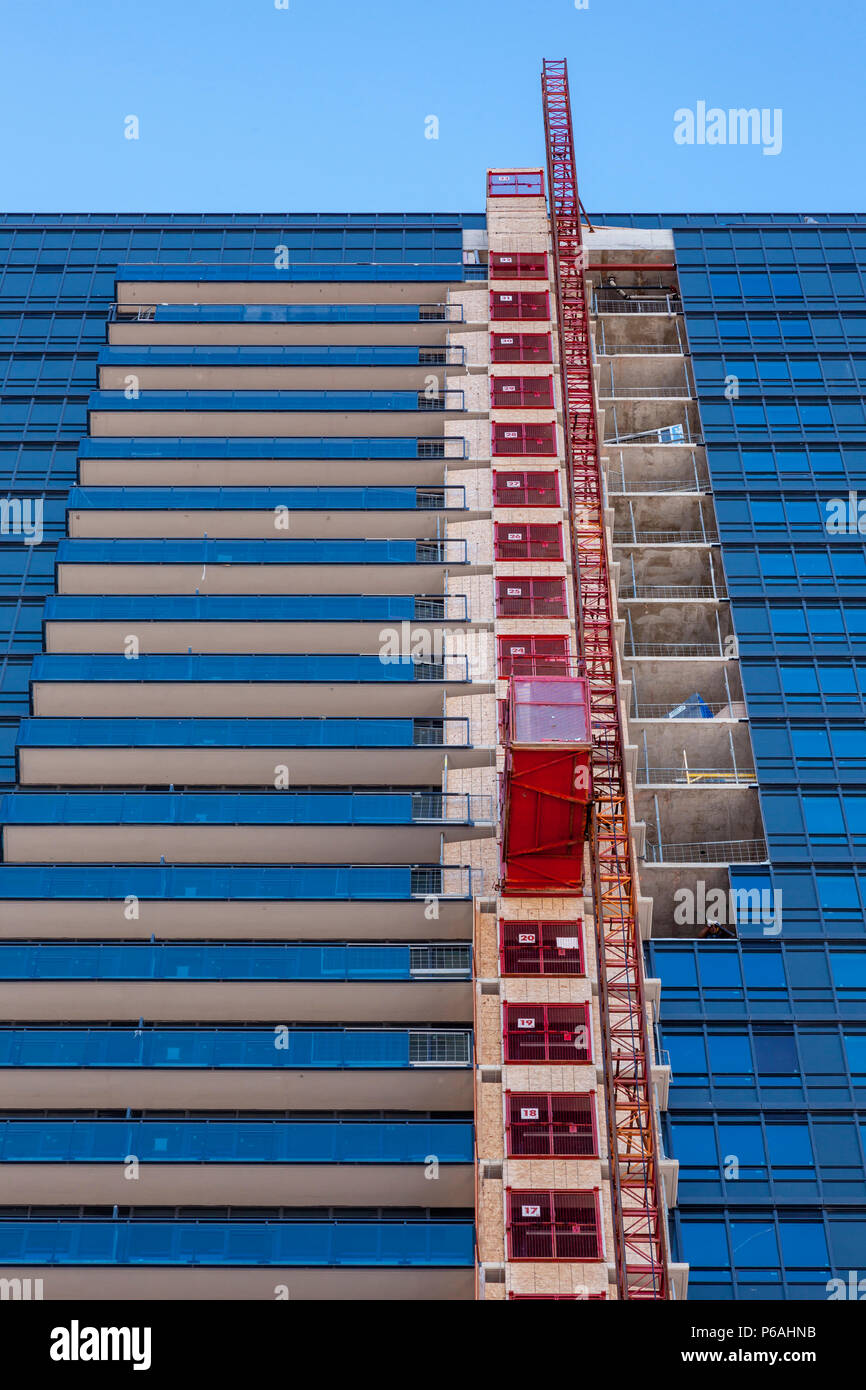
(638, 1198)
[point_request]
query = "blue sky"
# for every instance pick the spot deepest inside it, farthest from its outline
(243, 106)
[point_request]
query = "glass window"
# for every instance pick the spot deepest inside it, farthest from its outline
(753, 1244)
(804, 1243)
(743, 1142)
(776, 1053)
(789, 1145)
(694, 1144)
(705, 1244)
(729, 1053)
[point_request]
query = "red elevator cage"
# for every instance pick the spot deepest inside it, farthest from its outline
(547, 785)
(558, 1124)
(518, 265)
(553, 1226)
(520, 347)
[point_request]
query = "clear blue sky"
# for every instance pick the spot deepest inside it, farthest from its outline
(321, 107)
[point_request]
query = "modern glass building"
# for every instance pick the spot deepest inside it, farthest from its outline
(284, 519)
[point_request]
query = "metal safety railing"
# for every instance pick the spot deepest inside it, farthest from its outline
(615, 304)
(665, 537)
(612, 392)
(674, 649)
(675, 591)
(724, 709)
(707, 852)
(694, 776)
(619, 483)
(443, 1048)
(445, 881)
(606, 349)
(441, 960)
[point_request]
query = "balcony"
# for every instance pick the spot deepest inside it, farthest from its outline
(359, 984)
(114, 1242)
(179, 366)
(234, 1162)
(273, 462)
(240, 414)
(241, 963)
(227, 566)
(193, 753)
(237, 1141)
(238, 827)
(261, 902)
(250, 686)
(286, 313)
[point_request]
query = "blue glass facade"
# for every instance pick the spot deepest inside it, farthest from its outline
(58, 281)
(766, 1033)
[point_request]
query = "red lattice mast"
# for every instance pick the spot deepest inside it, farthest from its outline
(637, 1192)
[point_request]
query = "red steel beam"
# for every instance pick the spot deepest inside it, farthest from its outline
(638, 1199)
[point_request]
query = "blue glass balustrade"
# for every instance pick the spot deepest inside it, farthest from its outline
(357, 608)
(285, 355)
(263, 273)
(234, 882)
(235, 1141)
(221, 961)
(302, 447)
(69, 666)
(39, 1241)
(218, 551)
(275, 400)
(240, 808)
(75, 732)
(266, 499)
(298, 313)
(245, 1048)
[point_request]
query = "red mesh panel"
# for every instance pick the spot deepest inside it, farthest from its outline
(531, 598)
(523, 439)
(553, 1226)
(533, 656)
(519, 304)
(524, 489)
(551, 1125)
(521, 392)
(518, 265)
(541, 948)
(531, 540)
(547, 1033)
(520, 347)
